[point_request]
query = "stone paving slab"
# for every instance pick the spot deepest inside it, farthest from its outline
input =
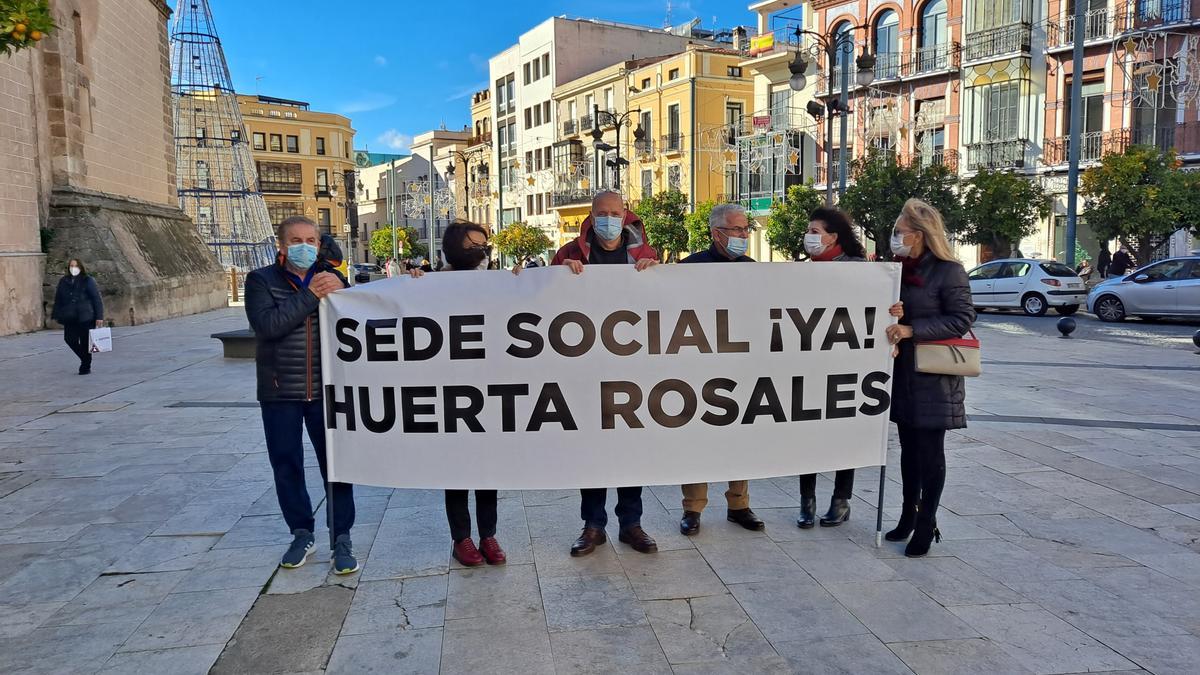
(139, 533)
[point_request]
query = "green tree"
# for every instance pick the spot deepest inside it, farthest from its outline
(1140, 197)
(699, 236)
(408, 243)
(882, 185)
(663, 215)
(788, 219)
(1001, 208)
(521, 240)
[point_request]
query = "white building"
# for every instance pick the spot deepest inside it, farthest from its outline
(523, 78)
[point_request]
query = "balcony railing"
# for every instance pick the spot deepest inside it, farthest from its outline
(1010, 39)
(1150, 13)
(946, 157)
(887, 66)
(586, 123)
(321, 190)
(1097, 25)
(672, 143)
(932, 59)
(1184, 138)
(570, 128)
(280, 187)
(481, 139)
(822, 175)
(1093, 145)
(1006, 154)
(644, 147)
(570, 197)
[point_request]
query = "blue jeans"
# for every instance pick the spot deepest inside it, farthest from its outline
(283, 422)
(594, 514)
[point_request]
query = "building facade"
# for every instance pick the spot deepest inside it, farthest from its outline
(475, 163)
(305, 162)
(87, 169)
(984, 84)
(526, 121)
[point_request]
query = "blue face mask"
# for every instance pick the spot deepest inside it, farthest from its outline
(609, 227)
(736, 246)
(301, 256)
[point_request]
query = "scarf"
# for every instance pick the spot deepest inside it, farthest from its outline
(909, 275)
(829, 253)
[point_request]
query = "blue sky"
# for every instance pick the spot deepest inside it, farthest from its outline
(400, 67)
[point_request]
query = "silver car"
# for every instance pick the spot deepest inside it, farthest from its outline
(1165, 288)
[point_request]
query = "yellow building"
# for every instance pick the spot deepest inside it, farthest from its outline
(478, 192)
(305, 162)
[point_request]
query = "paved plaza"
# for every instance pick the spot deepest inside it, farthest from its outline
(139, 533)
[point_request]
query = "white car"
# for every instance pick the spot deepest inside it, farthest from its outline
(1028, 284)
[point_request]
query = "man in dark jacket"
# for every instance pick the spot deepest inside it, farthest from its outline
(1122, 262)
(729, 229)
(281, 303)
(610, 235)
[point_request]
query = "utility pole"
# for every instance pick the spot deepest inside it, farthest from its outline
(846, 44)
(432, 219)
(1079, 34)
(391, 183)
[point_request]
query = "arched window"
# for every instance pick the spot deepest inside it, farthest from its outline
(887, 45)
(932, 54)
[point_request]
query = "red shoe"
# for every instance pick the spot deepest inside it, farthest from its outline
(466, 553)
(492, 551)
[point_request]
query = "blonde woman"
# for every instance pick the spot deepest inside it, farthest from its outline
(937, 306)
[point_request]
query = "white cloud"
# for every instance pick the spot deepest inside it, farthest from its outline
(380, 60)
(394, 140)
(467, 91)
(366, 103)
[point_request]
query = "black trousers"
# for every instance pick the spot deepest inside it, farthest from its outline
(75, 334)
(843, 484)
(458, 513)
(283, 422)
(594, 514)
(923, 467)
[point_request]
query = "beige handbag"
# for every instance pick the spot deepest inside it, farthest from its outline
(957, 356)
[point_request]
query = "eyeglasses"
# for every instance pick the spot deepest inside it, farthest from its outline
(479, 247)
(737, 231)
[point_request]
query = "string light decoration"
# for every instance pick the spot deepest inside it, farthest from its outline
(1161, 68)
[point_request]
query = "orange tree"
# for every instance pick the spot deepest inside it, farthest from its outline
(23, 23)
(521, 240)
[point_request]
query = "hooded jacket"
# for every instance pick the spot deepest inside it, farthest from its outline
(581, 248)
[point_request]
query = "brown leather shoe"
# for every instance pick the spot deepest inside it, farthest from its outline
(637, 538)
(588, 541)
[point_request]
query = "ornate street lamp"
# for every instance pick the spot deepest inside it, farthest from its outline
(618, 121)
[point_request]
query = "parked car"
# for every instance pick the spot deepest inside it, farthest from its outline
(1165, 288)
(363, 272)
(1030, 284)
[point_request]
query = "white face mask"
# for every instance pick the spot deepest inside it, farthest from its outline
(813, 244)
(75, 271)
(898, 247)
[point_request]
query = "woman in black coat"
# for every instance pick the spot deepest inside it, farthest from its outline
(78, 307)
(937, 306)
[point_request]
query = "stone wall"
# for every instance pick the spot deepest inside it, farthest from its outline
(146, 258)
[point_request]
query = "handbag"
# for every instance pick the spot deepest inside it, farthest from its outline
(100, 340)
(956, 356)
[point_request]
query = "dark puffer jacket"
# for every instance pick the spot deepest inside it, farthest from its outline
(939, 309)
(287, 326)
(77, 300)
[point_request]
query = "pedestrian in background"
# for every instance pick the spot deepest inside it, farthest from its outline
(1122, 262)
(465, 247)
(937, 306)
(1103, 261)
(831, 238)
(79, 308)
(729, 229)
(282, 302)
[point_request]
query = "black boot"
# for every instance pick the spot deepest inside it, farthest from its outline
(908, 519)
(924, 534)
(808, 513)
(839, 512)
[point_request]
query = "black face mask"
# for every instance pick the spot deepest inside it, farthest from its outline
(468, 259)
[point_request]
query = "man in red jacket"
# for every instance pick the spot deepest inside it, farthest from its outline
(610, 235)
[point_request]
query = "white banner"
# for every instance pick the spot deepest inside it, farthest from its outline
(677, 374)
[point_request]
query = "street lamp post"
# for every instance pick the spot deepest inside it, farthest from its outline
(618, 121)
(465, 157)
(830, 45)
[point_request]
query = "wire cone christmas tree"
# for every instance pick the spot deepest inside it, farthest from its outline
(215, 176)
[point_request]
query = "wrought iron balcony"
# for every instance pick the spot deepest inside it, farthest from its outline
(944, 57)
(1005, 154)
(1184, 138)
(570, 197)
(322, 190)
(586, 123)
(570, 127)
(1098, 24)
(1093, 145)
(946, 157)
(644, 147)
(481, 139)
(1010, 39)
(887, 66)
(672, 143)
(280, 187)
(1151, 13)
